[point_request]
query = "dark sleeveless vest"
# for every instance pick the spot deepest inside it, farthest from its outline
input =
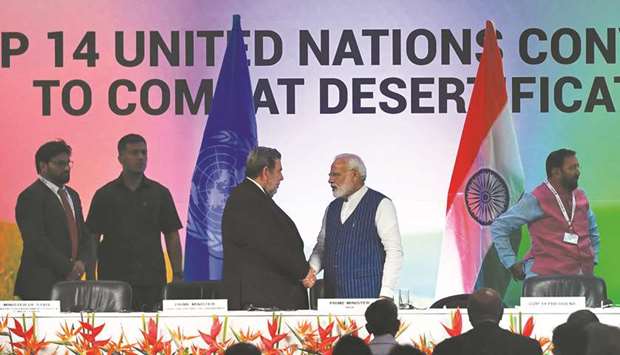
(354, 254)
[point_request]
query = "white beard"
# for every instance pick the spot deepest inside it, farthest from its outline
(341, 191)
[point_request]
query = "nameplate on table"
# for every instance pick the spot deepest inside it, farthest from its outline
(195, 305)
(552, 303)
(342, 305)
(29, 306)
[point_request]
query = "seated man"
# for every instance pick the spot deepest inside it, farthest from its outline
(405, 350)
(382, 322)
(570, 338)
(242, 349)
(582, 317)
(602, 339)
(485, 310)
(350, 345)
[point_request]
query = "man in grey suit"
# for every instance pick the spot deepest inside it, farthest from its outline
(382, 322)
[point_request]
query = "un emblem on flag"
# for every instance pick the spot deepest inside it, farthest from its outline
(219, 168)
(486, 196)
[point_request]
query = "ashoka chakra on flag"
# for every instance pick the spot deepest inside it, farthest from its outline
(486, 196)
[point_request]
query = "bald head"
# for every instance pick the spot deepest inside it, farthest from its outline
(484, 305)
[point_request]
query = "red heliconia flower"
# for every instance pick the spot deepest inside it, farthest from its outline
(167, 348)
(29, 344)
(151, 343)
(325, 343)
(90, 333)
(326, 332)
(216, 327)
(269, 345)
(278, 337)
(20, 332)
(457, 324)
(314, 341)
(528, 328)
(151, 334)
(87, 339)
(273, 327)
(328, 342)
(210, 339)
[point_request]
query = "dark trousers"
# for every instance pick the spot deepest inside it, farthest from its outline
(146, 298)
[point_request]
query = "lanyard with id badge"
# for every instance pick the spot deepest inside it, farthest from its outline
(569, 237)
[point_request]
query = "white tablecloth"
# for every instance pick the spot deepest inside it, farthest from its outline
(419, 323)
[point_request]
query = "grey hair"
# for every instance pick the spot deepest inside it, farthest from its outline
(259, 158)
(354, 162)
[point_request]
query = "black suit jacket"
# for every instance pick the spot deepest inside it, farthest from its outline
(46, 258)
(488, 339)
(264, 259)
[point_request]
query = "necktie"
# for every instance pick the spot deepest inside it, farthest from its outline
(73, 232)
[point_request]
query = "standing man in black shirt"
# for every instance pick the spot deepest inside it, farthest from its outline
(131, 212)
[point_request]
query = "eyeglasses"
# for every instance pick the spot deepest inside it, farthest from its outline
(62, 163)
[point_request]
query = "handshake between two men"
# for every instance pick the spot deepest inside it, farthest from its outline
(264, 261)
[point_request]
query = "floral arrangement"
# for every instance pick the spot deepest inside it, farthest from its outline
(305, 337)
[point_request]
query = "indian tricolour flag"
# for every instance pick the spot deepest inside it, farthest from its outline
(487, 179)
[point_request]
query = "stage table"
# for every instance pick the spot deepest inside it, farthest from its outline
(418, 324)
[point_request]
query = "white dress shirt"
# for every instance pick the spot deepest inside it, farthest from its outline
(387, 228)
(55, 188)
(257, 184)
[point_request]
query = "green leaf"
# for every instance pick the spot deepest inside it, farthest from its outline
(236, 335)
(301, 341)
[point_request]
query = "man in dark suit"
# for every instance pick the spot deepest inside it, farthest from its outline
(50, 219)
(485, 310)
(264, 261)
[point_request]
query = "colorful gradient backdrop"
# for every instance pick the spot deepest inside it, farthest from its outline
(409, 157)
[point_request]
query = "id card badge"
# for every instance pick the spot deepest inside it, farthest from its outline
(571, 238)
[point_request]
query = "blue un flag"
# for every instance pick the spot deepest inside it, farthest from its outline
(229, 136)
